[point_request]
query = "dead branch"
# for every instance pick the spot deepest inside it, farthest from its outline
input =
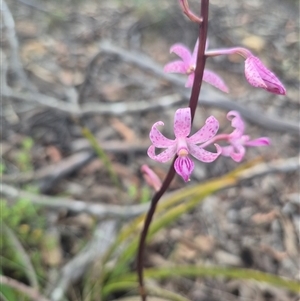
(113, 109)
(98, 210)
(280, 165)
(103, 237)
(15, 61)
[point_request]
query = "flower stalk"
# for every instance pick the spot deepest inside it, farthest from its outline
(200, 65)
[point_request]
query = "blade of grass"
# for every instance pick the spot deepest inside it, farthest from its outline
(22, 256)
(101, 154)
(200, 271)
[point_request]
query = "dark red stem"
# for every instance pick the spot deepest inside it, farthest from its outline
(193, 105)
(200, 65)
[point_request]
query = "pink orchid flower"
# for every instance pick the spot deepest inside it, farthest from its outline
(184, 145)
(261, 77)
(238, 141)
(256, 73)
(187, 65)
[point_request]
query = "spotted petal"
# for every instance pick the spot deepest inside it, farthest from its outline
(163, 157)
(184, 166)
(208, 131)
(204, 155)
(157, 138)
(215, 80)
(183, 52)
(182, 123)
(175, 67)
(259, 76)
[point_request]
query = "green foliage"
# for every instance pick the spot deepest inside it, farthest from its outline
(20, 244)
(23, 157)
(2, 168)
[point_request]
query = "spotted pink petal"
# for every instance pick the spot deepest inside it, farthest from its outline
(204, 155)
(259, 142)
(184, 166)
(208, 131)
(261, 77)
(163, 157)
(175, 67)
(190, 80)
(157, 138)
(215, 80)
(183, 52)
(182, 123)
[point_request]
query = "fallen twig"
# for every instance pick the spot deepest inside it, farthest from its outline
(15, 61)
(49, 175)
(113, 109)
(102, 239)
(100, 211)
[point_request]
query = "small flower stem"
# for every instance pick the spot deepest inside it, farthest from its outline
(215, 139)
(245, 53)
(193, 105)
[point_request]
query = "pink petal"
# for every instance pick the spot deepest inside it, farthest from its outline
(235, 152)
(182, 123)
(236, 122)
(184, 167)
(259, 142)
(190, 80)
(204, 155)
(157, 138)
(151, 177)
(259, 76)
(175, 67)
(163, 157)
(208, 131)
(183, 52)
(216, 81)
(195, 52)
(238, 153)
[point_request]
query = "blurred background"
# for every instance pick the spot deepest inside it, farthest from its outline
(82, 84)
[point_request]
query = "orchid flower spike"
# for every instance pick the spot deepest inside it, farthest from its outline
(187, 65)
(183, 146)
(258, 75)
(238, 141)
